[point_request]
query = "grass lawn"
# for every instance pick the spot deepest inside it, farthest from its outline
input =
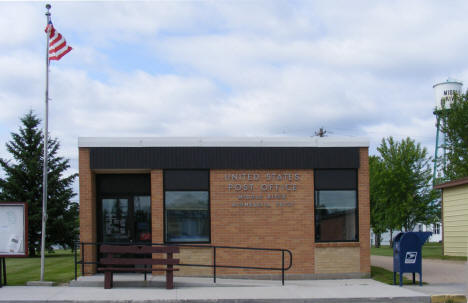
(385, 276)
(429, 251)
(58, 268)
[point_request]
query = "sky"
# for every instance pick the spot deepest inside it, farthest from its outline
(232, 68)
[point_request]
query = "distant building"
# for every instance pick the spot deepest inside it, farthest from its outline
(455, 216)
(435, 228)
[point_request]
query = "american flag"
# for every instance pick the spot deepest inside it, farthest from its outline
(57, 45)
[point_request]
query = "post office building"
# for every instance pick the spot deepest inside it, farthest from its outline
(306, 197)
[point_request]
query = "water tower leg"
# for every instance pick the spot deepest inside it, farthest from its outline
(445, 152)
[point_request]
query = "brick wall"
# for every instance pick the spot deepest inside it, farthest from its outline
(87, 208)
(282, 222)
(157, 207)
(332, 260)
(195, 256)
(364, 210)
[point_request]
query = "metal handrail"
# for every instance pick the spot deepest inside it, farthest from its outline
(82, 262)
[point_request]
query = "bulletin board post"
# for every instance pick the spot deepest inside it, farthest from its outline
(13, 234)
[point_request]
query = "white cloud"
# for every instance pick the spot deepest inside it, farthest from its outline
(420, 130)
(233, 68)
(19, 24)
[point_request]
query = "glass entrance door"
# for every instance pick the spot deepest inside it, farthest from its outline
(115, 221)
(142, 216)
(126, 219)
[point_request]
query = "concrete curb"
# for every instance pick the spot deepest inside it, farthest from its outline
(40, 283)
(448, 299)
(253, 300)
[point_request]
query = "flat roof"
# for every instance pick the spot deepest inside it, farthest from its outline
(457, 182)
(223, 142)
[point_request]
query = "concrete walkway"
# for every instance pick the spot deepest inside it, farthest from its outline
(225, 290)
(443, 276)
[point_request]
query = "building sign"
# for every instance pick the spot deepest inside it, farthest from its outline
(262, 190)
(13, 229)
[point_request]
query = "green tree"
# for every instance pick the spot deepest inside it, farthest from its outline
(382, 208)
(377, 203)
(22, 181)
(405, 185)
(454, 125)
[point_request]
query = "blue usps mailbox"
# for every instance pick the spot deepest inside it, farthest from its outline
(407, 256)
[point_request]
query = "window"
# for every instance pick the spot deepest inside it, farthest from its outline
(437, 229)
(187, 206)
(336, 205)
(187, 216)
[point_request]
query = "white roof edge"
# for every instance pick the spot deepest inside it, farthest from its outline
(223, 142)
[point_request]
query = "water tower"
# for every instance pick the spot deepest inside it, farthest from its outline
(444, 93)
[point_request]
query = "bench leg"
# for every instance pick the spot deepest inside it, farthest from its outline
(108, 283)
(169, 278)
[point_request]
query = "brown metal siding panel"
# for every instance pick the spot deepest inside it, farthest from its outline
(224, 157)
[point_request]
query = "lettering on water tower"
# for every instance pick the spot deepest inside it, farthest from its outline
(449, 94)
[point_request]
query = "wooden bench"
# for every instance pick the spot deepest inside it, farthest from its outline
(115, 261)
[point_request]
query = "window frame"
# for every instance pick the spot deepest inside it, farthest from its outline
(356, 190)
(129, 195)
(208, 190)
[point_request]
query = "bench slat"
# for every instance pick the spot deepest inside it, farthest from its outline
(136, 261)
(133, 250)
(127, 269)
(138, 249)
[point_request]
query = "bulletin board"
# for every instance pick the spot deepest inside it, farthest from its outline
(13, 229)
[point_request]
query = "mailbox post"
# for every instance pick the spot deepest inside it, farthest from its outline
(407, 257)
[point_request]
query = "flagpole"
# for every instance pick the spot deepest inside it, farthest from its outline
(44, 174)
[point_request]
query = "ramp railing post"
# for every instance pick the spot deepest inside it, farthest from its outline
(82, 258)
(214, 264)
(75, 257)
(282, 266)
